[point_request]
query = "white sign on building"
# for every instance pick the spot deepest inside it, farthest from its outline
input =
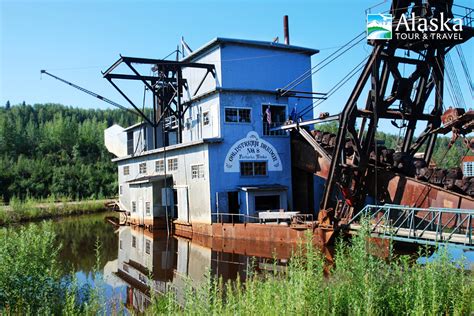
(252, 148)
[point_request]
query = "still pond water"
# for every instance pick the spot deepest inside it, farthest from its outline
(133, 259)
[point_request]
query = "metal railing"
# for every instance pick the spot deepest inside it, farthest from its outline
(234, 218)
(231, 218)
(418, 225)
(267, 129)
(463, 13)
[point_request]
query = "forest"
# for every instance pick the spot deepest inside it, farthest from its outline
(51, 150)
(54, 150)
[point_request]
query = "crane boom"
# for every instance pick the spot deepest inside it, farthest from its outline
(98, 96)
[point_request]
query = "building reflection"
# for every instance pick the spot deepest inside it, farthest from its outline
(161, 263)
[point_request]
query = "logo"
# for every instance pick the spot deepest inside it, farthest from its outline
(379, 26)
(252, 148)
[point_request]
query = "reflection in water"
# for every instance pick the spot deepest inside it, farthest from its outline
(152, 260)
(134, 260)
(78, 236)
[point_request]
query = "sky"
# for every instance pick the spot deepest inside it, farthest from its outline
(75, 40)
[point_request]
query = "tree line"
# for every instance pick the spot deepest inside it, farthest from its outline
(54, 150)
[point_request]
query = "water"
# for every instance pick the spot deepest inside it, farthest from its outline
(133, 260)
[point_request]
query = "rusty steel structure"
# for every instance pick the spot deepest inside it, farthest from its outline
(356, 166)
(167, 86)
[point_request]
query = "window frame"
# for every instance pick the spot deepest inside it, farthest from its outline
(147, 208)
(238, 114)
(286, 115)
(142, 168)
(206, 118)
(168, 164)
(147, 246)
(126, 170)
(200, 174)
(253, 168)
(162, 161)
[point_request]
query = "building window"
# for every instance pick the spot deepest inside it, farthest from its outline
(126, 170)
(160, 166)
(134, 242)
(147, 208)
(273, 116)
(120, 244)
(142, 168)
(197, 171)
(134, 206)
(130, 143)
(125, 268)
(173, 164)
(147, 246)
(469, 169)
(205, 118)
(237, 115)
(253, 168)
(121, 190)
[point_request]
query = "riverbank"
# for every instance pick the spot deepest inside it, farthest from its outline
(357, 283)
(32, 210)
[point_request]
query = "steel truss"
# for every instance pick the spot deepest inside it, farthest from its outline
(167, 86)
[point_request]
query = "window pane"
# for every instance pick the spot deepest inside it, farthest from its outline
(147, 208)
(246, 168)
(231, 115)
(160, 166)
(260, 168)
(194, 172)
(205, 118)
(147, 247)
(142, 167)
(244, 115)
(173, 164)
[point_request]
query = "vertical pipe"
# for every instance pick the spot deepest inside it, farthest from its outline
(286, 30)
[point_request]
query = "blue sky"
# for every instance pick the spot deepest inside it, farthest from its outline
(77, 39)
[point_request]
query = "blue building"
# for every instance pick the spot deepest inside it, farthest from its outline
(229, 160)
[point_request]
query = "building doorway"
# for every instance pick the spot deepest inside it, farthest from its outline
(267, 202)
(234, 205)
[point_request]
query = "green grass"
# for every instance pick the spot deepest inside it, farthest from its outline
(358, 284)
(31, 282)
(33, 210)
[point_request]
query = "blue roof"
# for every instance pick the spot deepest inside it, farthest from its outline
(262, 44)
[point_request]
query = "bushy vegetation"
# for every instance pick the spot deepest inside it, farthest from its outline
(32, 209)
(54, 150)
(31, 281)
(358, 284)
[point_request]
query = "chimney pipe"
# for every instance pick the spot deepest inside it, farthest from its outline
(286, 30)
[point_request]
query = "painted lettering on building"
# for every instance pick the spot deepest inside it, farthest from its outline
(252, 148)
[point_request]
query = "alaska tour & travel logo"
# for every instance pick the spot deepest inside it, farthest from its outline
(412, 27)
(379, 26)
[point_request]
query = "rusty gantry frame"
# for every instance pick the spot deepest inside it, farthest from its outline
(167, 86)
(351, 171)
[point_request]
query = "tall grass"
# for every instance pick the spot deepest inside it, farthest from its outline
(31, 209)
(359, 283)
(30, 278)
